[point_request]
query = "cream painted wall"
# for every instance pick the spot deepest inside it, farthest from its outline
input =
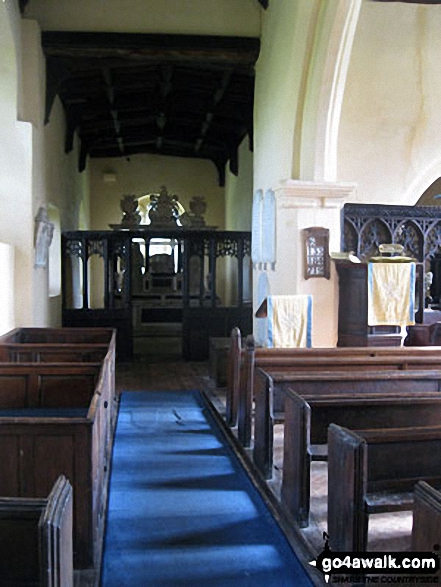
(293, 62)
(391, 120)
(281, 77)
(33, 168)
(239, 192)
(238, 208)
(197, 17)
(55, 177)
(143, 174)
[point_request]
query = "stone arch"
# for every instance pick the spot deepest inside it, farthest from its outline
(335, 34)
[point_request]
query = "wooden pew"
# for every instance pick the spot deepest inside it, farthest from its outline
(273, 385)
(306, 432)
(244, 362)
(36, 335)
(375, 471)
(57, 345)
(36, 539)
(426, 527)
(56, 419)
(234, 363)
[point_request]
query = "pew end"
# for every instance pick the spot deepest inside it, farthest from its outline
(36, 539)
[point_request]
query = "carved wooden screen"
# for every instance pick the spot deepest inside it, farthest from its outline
(417, 228)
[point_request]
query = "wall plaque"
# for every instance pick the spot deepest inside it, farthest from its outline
(316, 246)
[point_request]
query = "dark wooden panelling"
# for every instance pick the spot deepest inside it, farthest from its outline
(10, 465)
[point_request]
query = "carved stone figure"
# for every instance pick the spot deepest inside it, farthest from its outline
(44, 232)
(129, 206)
(198, 207)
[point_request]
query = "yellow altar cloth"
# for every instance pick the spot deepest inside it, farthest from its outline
(289, 321)
(391, 294)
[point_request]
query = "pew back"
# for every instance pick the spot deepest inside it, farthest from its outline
(45, 385)
(54, 345)
(375, 471)
(307, 419)
(426, 527)
(271, 387)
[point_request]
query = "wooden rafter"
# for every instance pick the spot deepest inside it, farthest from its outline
(175, 95)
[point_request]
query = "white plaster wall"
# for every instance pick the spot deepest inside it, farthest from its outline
(7, 295)
(198, 17)
(391, 120)
(15, 166)
(143, 174)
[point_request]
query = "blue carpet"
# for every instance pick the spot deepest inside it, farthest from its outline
(182, 512)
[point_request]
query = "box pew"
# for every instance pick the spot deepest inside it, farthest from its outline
(65, 345)
(307, 419)
(37, 335)
(426, 527)
(244, 362)
(55, 419)
(375, 471)
(270, 388)
(57, 345)
(36, 539)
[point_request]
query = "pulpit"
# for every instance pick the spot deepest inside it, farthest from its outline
(353, 328)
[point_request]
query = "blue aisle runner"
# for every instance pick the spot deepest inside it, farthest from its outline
(182, 511)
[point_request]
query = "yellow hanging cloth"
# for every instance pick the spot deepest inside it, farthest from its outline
(391, 294)
(289, 321)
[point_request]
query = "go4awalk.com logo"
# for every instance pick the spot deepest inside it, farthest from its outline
(418, 568)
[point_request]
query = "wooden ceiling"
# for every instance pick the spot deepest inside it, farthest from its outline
(179, 95)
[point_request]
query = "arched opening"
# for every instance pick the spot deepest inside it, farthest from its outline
(432, 195)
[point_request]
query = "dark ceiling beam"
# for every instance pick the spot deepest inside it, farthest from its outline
(142, 48)
(22, 5)
(217, 97)
(113, 110)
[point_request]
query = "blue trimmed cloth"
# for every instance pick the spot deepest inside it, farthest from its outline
(391, 294)
(289, 321)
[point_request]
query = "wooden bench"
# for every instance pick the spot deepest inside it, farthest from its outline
(306, 432)
(426, 527)
(57, 419)
(375, 471)
(270, 388)
(244, 362)
(36, 539)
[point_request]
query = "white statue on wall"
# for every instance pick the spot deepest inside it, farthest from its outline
(44, 232)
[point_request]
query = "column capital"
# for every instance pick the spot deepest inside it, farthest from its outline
(293, 193)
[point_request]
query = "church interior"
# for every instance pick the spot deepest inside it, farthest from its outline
(220, 260)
